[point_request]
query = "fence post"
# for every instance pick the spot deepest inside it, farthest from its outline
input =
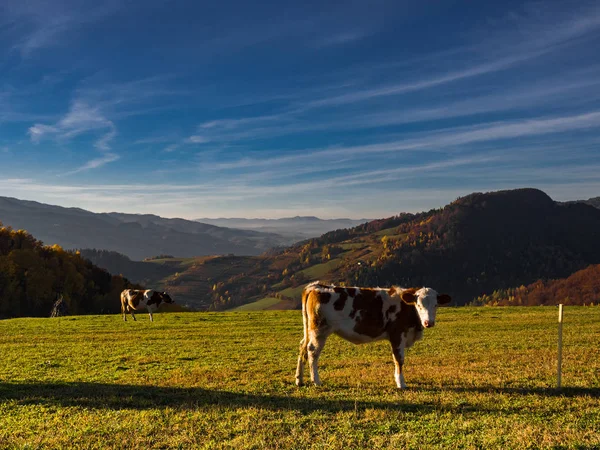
(560, 322)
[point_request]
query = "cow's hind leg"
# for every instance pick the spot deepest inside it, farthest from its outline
(132, 315)
(314, 348)
(151, 319)
(398, 352)
(302, 358)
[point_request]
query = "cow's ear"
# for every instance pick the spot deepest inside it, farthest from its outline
(443, 299)
(409, 298)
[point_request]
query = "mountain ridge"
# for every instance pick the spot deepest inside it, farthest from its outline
(75, 228)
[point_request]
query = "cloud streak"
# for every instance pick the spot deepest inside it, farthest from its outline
(81, 118)
(95, 163)
(37, 25)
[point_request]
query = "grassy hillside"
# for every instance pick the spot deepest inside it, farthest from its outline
(483, 378)
(476, 245)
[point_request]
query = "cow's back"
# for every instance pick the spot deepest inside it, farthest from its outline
(355, 314)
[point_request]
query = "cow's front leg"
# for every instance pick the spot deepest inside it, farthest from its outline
(151, 319)
(398, 352)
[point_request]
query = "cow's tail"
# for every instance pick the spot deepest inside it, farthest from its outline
(304, 342)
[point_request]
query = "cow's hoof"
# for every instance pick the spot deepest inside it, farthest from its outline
(299, 383)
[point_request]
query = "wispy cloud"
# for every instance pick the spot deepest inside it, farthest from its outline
(536, 36)
(37, 25)
(441, 140)
(81, 118)
(171, 148)
(341, 38)
(95, 163)
(197, 139)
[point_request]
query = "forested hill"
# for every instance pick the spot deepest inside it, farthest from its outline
(475, 245)
(484, 242)
(33, 275)
(581, 288)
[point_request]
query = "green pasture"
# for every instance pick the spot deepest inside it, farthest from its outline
(293, 292)
(258, 305)
(483, 378)
(317, 271)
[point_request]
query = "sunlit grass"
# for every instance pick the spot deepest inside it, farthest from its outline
(482, 378)
(258, 305)
(320, 270)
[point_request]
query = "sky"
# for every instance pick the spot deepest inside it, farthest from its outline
(275, 109)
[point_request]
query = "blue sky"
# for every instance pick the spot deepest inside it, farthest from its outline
(334, 109)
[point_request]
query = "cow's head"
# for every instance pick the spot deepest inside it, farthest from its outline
(426, 301)
(166, 297)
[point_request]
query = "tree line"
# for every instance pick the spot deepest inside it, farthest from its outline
(33, 276)
(581, 288)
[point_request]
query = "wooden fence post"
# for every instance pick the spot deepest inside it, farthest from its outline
(560, 323)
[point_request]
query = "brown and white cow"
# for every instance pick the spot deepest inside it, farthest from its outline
(362, 315)
(135, 300)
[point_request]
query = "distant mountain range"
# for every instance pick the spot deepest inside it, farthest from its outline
(140, 236)
(137, 236)
(294, 228)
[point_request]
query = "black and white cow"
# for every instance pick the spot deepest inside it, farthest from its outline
(362, 315)
(135, 300)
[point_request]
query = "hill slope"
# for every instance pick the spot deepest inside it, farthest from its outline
(137, 236)
(489, 241)
(475, 245)
(581, 288)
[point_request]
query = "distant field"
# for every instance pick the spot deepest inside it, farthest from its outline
(183, 262)
(293, 292)
(482, 378)
(320, 270)
(258, 305)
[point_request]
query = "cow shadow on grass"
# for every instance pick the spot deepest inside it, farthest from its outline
(122, 396)
(516, 390)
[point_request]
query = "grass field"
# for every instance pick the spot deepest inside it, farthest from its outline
(320, 270)
(482, 378)
(293, 292)
(258, 305)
